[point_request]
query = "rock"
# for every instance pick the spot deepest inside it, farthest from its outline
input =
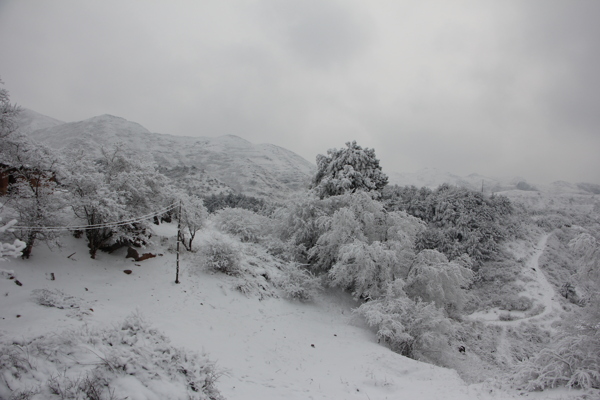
(132, 253)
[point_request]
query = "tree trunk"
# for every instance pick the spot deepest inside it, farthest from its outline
(29, 245)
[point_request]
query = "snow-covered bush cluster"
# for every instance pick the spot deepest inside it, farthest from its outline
(247, 225)
(130, 360)
(220, 253)
(460, 221)
(416, 329)
(216, 202)
(344, 234)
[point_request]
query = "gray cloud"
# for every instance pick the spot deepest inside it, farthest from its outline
(499, 88)
(318, 33)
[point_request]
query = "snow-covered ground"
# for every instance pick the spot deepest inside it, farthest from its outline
(268, 349)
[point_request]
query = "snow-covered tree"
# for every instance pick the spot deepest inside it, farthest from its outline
(459, 220)
(35, 198)
(94, 201)
(340, 229)
(365, 269)
(144, 189)
(297, 223)
(112, 189)
(433, 278)
(360, 217)
(32, 199)
(193, 218)
(348, 170)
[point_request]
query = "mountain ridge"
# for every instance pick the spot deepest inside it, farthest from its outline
(221, 164)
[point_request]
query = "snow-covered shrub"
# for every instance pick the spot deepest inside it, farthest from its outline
(258, 273)
(520, 303)
(245, 224)
(13, 249)
(573, 360)
(552, 222)
(569, 363)
(412, 328)
(298, 283)
(495, 285)
(54, 298)
(220, 253)
(76, 307)
(527, 340)
(583, 244)
(254, 285)
(130, 360)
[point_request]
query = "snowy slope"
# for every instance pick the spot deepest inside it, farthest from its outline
(270, 349)
(226, 162)
(31, 121)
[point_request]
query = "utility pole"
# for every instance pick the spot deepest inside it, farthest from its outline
(178, 239)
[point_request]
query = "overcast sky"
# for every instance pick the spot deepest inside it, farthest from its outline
(498, 87)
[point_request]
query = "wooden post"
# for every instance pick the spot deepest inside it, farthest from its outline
(178, 239)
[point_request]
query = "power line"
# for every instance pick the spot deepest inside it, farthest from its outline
(103, 225)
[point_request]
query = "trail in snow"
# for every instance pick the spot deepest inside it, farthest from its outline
(538, 288)
(542, 288)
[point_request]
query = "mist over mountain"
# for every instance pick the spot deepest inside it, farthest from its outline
(433, 177)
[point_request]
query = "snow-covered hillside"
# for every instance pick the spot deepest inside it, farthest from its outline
(267, 349)
(226, 163)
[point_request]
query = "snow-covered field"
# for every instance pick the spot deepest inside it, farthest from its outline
(266, 349)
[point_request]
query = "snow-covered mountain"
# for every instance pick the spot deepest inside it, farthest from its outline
(31, 121)
(204, 164)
